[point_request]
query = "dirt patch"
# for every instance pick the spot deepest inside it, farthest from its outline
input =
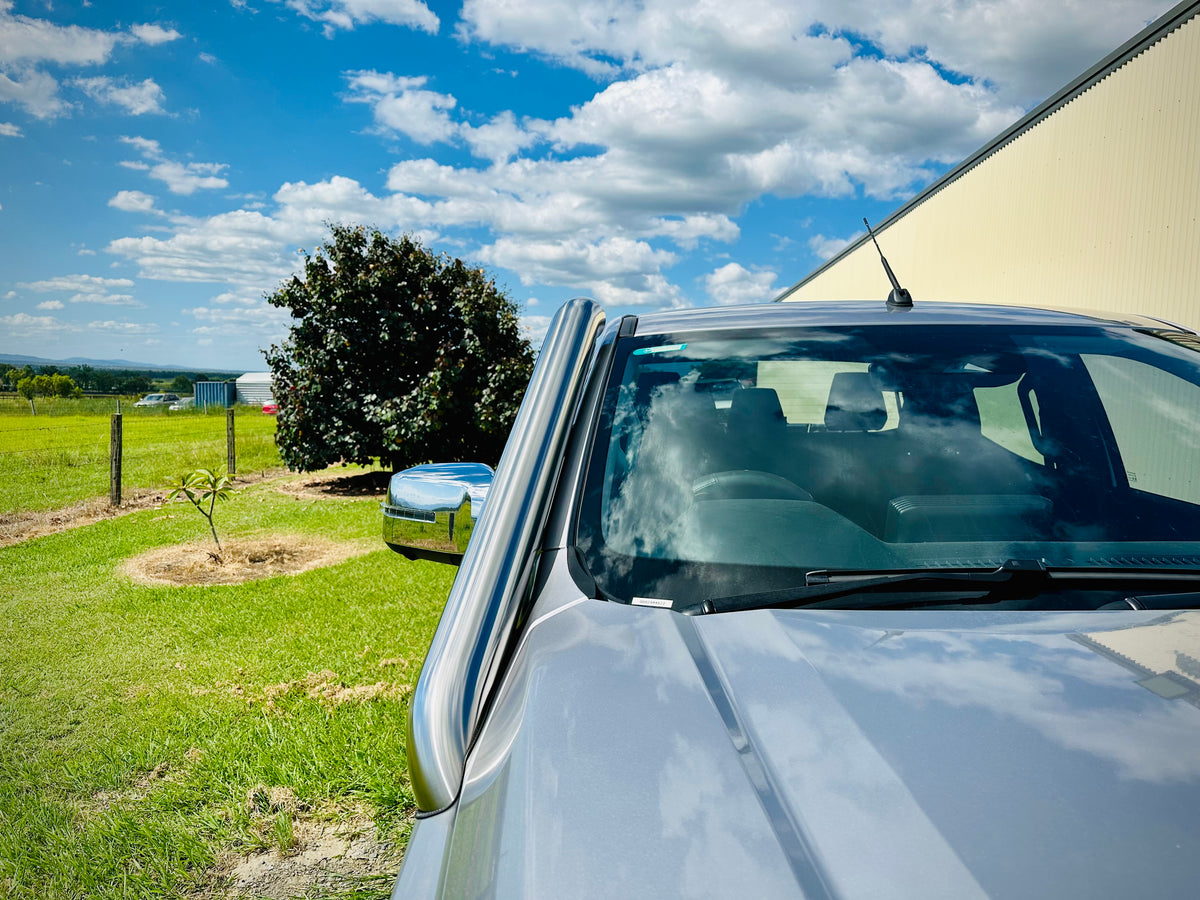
(326, 687)
(324, 485)
(238, 560)
(16, 527)
(323, 857)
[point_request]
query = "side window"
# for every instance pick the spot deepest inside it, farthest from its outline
(1002, 420)
(803, 388)
(1155, 418)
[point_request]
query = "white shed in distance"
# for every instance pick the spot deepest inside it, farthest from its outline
(255, 389)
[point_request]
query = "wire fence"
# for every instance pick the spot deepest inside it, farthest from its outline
(48, 462)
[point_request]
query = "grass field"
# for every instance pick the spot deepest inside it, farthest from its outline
(61, 455)
(143, 728)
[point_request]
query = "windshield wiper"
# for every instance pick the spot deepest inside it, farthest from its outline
(909, 588)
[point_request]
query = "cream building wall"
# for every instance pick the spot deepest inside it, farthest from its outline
(1094, 205)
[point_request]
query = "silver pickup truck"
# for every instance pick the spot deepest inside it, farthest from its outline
(819, 600)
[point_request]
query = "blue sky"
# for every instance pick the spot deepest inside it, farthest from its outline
(163, 164)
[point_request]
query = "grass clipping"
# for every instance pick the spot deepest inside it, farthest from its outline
(239, 560)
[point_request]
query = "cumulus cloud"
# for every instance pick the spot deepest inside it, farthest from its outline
(828, 247)
(27, 44)
(76, 283)
(23, 325)
(28, 40)
(179, 177)
(83, 289)
(346, 14)
(403, 105)
(701, 109)
(617, 271)
(734, 284)
(265, 320)
(35, 91)
(154, 34)
(135, 98)
(133, 201)
(8, 129)
(1026, 50)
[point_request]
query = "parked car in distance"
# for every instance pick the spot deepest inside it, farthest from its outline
(822, 600)
(270, 409)
(158, 400)
(182, 403)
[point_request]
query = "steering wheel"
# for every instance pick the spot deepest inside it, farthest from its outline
(747, 484)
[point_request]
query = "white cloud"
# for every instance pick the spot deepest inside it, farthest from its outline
(617, 271)
(28, 43)
(50, 305)
(345, 14)
(497, 140)
(23, 325)
(122, 328)
(104, 298)
(154, 34)
(8, 129)
(708, 108)
(35, 91)
(828, 247)
(135, 98)
(78, 283)
(133, 201)
(27, 40)
(1026, 49)
(535, 328)
(402, 105)
(734, 284)
(180, 177)
(268, 322)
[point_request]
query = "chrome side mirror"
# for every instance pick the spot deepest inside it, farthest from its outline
(431, 510)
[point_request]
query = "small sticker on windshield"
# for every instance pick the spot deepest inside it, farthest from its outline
(652, 601)
(665, 348)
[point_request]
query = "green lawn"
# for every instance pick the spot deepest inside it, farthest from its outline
(61, 455)
(135, 721)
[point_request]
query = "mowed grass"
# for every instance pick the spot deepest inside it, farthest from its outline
(135, 721)
(61, 455)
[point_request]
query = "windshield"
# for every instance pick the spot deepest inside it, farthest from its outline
(737, 462)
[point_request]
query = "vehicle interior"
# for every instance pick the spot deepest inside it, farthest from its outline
(883, 451)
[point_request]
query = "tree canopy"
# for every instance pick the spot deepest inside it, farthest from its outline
(396, 354)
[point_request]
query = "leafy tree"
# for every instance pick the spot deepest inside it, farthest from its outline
(27, 389)
(62, 385)
(104, 381)
(181, 385)
(397, 354)
(134, 384)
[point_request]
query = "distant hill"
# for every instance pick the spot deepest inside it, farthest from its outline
(17, 360)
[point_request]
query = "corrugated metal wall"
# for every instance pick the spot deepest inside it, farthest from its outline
(1095, 206)
(215, 393)
(255, 388)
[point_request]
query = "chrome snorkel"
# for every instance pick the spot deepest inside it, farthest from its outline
(482, 608)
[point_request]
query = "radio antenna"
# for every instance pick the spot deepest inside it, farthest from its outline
(899, 297)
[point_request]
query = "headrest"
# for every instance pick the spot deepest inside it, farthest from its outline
(855, 404)
(755, 408)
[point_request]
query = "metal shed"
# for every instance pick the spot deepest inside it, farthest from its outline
(215, 393)
(255, 389)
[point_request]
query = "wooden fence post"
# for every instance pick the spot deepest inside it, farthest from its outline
(114, 462)
(230, 446)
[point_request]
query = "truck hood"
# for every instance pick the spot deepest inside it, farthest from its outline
(837, 754)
